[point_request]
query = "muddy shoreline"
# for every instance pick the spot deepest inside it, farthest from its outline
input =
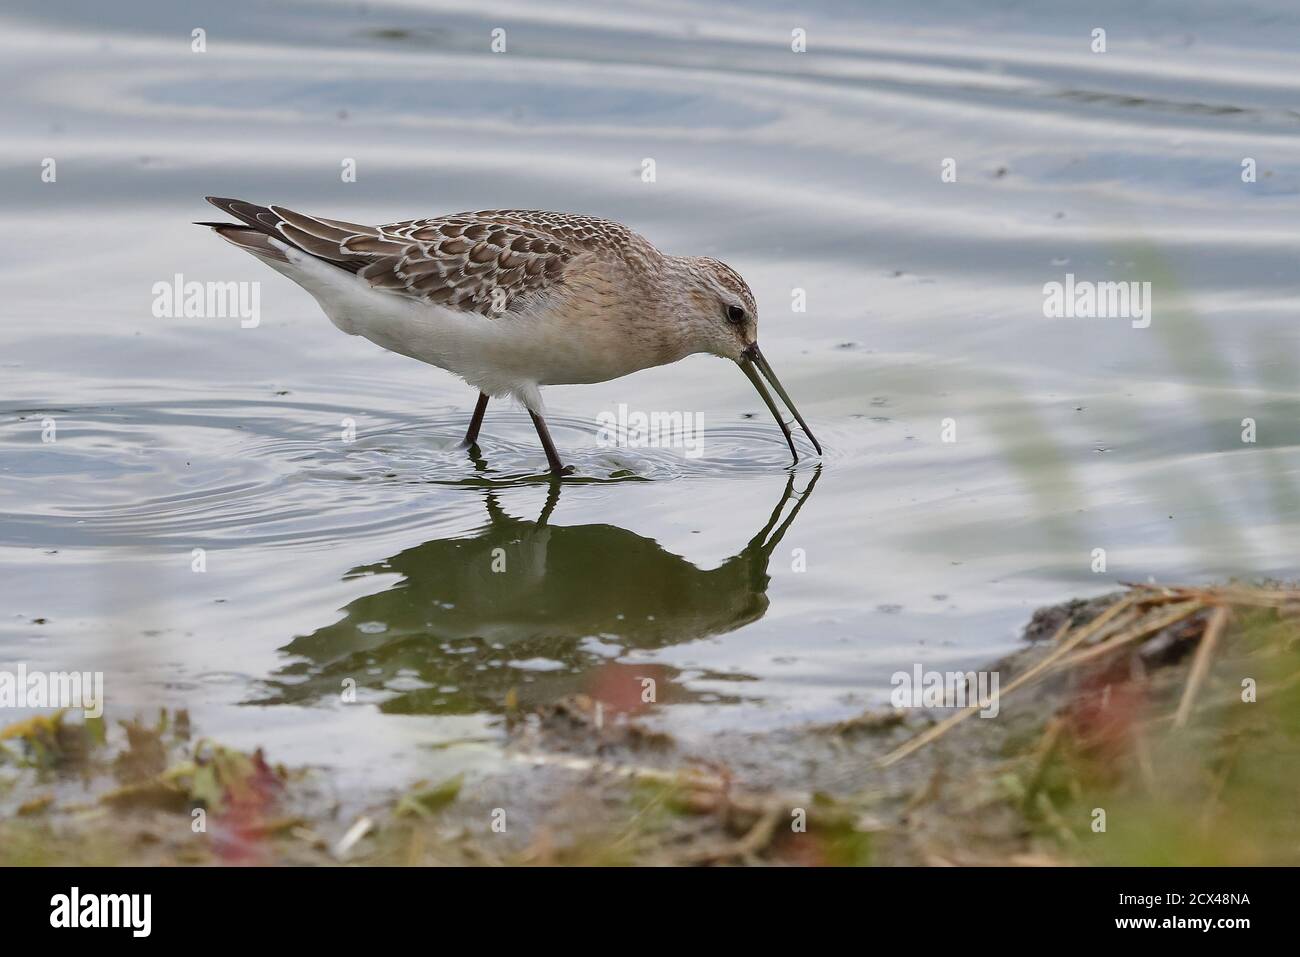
(1026, 787)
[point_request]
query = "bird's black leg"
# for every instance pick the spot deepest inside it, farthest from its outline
(474, 423)
(552, 456)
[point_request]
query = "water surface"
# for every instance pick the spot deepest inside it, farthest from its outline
(370, 561)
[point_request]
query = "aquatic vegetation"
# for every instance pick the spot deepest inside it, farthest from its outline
(49, 741)
(424, 800)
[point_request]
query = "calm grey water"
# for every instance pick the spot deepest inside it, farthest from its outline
(370, 560)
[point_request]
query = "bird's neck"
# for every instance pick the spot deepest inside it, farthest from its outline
(678, 302)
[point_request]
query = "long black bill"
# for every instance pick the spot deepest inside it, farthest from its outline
(752, 363)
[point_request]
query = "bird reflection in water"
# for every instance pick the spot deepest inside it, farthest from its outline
(569, 597)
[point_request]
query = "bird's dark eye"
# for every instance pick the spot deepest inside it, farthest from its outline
(735, 314)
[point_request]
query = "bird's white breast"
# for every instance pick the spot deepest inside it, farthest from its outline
(546, 344)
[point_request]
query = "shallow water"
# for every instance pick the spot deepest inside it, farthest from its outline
(371, 559)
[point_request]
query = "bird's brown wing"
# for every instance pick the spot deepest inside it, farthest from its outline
(463, 261)
(490, 263)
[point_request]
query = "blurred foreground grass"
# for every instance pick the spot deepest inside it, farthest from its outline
(1218, 788)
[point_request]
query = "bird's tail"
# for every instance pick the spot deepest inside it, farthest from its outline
(246, 237)
(254, 231)
(258, 225)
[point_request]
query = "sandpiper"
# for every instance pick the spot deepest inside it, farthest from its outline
(512, 300)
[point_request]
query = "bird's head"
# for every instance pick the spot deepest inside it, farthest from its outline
(721, 312)
(720, 317)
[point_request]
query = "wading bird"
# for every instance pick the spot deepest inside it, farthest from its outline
(512, 300)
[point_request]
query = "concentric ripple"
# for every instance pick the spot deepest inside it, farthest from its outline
(209, 472)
